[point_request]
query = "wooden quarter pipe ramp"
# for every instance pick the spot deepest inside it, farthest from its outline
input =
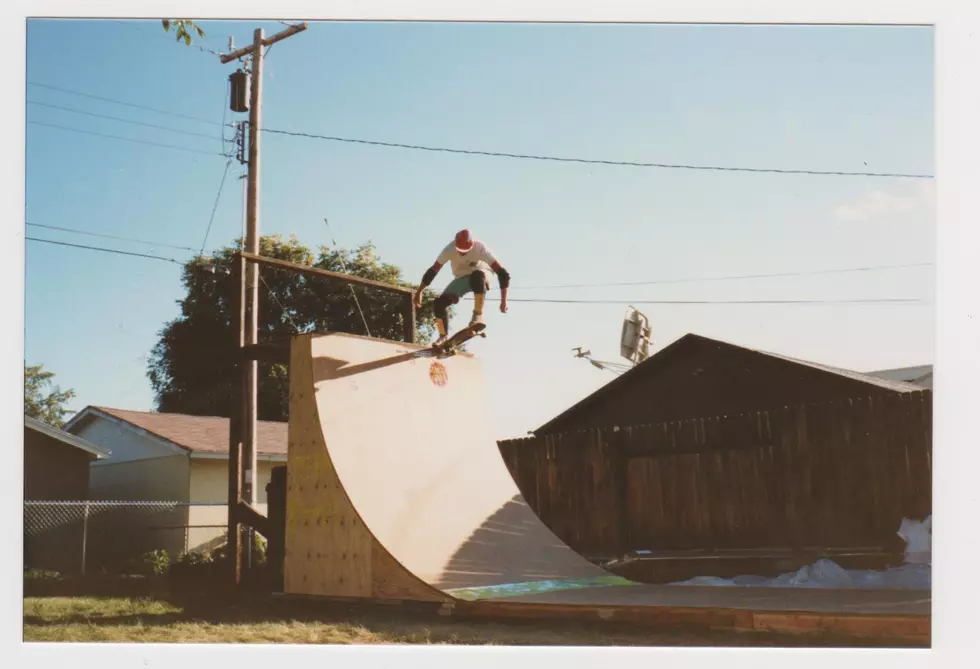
(396, 491)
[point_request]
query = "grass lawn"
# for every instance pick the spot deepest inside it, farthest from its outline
(147, 619)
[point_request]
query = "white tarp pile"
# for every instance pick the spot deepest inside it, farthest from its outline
(915, 573)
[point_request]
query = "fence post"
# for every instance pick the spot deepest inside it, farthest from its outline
(84, 535)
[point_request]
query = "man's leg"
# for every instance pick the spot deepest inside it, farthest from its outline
(478, 283)
(451, 295)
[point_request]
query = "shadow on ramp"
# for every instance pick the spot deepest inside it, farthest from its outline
(513, 546)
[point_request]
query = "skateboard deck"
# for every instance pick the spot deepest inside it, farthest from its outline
(451, 345)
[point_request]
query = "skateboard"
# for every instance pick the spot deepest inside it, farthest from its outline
(451, 345)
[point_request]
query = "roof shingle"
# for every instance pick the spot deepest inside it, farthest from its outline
(201, 434)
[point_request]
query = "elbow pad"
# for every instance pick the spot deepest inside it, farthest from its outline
(428, 277)
(504, 277)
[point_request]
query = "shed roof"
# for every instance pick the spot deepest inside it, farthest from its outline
(689, 342)
(65, 437)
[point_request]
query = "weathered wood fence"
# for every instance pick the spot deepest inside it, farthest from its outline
(837, 474)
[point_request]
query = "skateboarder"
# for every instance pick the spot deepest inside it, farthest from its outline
(471, 261)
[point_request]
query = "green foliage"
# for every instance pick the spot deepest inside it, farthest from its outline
(193, 369)
(33, 574)
(260, 549)
(206, 566)
(181, 27)
(150, 563)
(47, 407)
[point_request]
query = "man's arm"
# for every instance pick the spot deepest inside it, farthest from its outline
(503, 276)
(427, 279)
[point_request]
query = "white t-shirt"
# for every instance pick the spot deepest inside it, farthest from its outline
(478, 257)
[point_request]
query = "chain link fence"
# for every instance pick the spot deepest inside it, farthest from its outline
(95, 536)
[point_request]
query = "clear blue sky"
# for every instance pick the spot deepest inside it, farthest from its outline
(818, 98)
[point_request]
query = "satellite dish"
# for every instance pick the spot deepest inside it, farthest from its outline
(634, 342)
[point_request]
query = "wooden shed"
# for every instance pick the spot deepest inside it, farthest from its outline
(56, 473)
(698, 377)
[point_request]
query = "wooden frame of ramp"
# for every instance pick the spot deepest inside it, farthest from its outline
(396, 492)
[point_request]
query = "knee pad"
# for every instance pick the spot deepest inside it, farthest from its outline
(478, 282)
(441, 304)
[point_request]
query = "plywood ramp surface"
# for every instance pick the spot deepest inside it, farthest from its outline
(403, 441)
(329, 550)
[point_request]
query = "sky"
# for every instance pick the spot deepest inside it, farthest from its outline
(843, 99)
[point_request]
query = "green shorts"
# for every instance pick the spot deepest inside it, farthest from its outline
(462, 285)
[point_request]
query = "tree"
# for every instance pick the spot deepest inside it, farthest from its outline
(192, 367)
(47, 408)
(181, 26)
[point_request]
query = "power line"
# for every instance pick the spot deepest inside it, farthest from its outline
(123, 120)
(99, 234)
(120, 102)
(99, 248)
(540, 301)
(128, 139)
(896, 300)
(501, 154)
(728, 278)
(214, 209)
(624, 163)
(343, 266)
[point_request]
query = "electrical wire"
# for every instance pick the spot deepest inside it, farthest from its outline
(624, 163)
(214, 209)
(296, 328)
(343, 266)
(99, 248)
(224, 116)
(545, 301)
(123, 120)
(501, 154)
(120, 102)
(728, 278)
(99, 234)
(128, 139)
(886, 300)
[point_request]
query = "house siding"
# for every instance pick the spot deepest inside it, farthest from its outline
(145, 467)
(209, 485)
(154, 479)
(119, 533)
(127, 443)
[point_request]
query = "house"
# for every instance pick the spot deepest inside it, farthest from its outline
(920, 375)
(164, 457)
(697, 377)
(56, 478)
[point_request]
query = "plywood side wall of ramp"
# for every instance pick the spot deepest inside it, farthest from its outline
(329, 551)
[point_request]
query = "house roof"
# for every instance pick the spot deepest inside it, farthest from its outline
(886, 382)
(920, 375)
(195, 434)
(658, 360)
(65, 437)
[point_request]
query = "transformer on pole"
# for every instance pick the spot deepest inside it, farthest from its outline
(241, 90)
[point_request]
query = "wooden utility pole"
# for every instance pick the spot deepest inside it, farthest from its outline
(243, 461)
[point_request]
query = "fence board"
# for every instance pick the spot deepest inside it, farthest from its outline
(834, 474)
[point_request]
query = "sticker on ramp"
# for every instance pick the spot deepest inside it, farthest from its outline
(437, 372)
